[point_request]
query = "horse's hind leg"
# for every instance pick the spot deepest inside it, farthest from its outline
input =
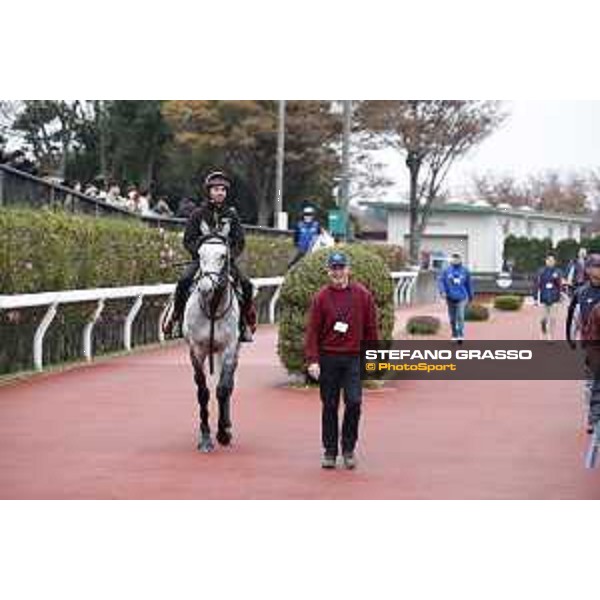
(224, 391)
(205, 443)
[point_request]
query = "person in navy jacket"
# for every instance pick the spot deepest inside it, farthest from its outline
(455, 287)
(547, 292)
(306, 232)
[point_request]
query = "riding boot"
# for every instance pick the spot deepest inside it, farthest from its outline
(248, 316)
(173, 323)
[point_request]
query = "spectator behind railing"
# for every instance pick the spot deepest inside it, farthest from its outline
(186, 207)
(161, 207)
(18, 160)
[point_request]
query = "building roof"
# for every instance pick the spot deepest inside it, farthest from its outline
(468, 208)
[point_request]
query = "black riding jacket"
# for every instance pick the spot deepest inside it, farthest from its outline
(216, 219)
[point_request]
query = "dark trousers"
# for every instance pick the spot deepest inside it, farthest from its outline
(182, 291)
(592, 367)
(340, 373)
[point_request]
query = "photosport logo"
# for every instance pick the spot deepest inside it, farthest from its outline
(493, 360)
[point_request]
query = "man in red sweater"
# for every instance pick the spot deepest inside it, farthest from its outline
(341, 315)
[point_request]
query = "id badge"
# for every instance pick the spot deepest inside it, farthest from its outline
(549, 286)
(340, 327)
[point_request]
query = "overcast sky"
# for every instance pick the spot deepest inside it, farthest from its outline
(538, 135)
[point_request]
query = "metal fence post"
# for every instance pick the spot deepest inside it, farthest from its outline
(38, 339)
(1, 187)
(87, 330)
(129, 321)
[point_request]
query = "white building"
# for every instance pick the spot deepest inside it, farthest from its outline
(478, 230)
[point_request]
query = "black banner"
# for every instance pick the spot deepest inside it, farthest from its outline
(478, 359)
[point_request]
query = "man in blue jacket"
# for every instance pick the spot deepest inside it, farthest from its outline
(455, 288)
(548, 286)
(305, 233)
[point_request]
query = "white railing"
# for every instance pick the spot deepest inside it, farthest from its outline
(276, 282)
(404, 284)
(53, 299)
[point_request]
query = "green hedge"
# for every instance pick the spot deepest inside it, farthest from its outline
(308, 277)
(528, 255)
(476, 312)
(45, 250)
(423, 325)
(508, 302)
(266, 257)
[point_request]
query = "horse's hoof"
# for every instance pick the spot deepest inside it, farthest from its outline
(224, 437)
(206, 445)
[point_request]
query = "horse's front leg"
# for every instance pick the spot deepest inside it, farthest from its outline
(205, 443)
(224, 391)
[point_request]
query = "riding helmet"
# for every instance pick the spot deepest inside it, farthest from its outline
(216, 178)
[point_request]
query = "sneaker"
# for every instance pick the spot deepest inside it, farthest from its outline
(328, 461)
(453, 339)
(349, 461)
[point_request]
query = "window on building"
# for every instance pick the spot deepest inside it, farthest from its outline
(570, 231)
(529, 228)
(506, 227)
(550, 233)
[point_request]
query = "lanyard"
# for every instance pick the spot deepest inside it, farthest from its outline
(342, 310)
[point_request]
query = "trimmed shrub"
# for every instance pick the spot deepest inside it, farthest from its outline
(307, 277)
(508, 302)
(476, 312)
(526, 254)
(423, 325)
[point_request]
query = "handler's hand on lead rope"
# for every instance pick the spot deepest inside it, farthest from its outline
(314, 371)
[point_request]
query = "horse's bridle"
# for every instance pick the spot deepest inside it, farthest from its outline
(218, 279)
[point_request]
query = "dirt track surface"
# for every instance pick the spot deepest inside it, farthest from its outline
(126, 428)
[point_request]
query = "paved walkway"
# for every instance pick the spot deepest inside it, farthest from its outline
(126, 428)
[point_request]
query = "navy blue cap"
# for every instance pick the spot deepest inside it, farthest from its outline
(337, 259)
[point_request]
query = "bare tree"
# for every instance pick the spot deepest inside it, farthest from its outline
(431, 135)
(9, 110)
(549, 191)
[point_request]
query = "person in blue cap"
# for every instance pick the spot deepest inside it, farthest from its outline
(342, 314)
(455, 287)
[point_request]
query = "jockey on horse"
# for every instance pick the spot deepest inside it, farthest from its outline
(215, 213)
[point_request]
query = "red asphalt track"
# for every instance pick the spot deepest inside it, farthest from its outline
(126, 428)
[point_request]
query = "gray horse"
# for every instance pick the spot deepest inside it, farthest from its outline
(211, 327)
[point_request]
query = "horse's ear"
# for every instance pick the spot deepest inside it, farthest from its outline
(226, 229)
(204, 228)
